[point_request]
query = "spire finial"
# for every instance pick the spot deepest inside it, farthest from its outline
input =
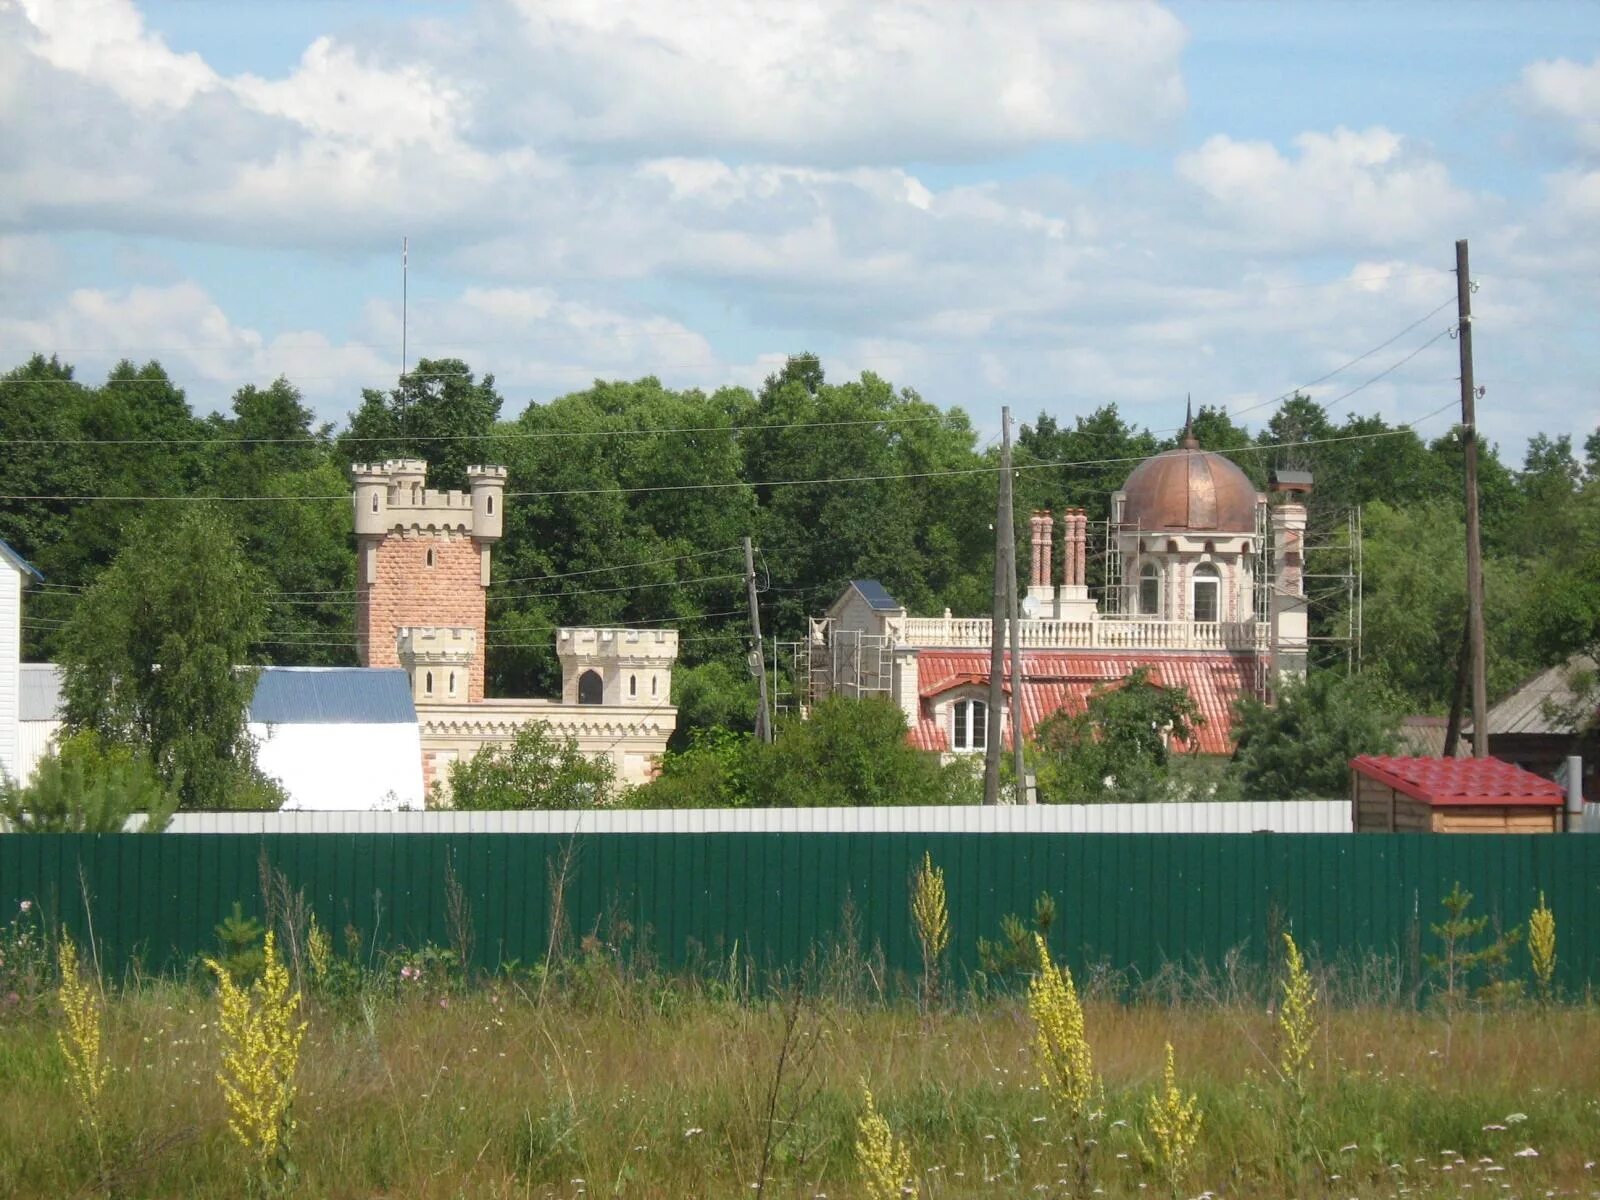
(1190, 442)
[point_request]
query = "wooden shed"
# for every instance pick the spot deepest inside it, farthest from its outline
(1394, 794)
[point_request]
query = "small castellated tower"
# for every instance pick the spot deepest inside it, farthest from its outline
(422, 573)
(617, 667)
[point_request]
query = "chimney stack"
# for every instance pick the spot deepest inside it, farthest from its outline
(1040, 600)
(1073, 602)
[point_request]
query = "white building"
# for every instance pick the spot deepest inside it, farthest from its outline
(336, 738)
(15, 573)
(1204, 588)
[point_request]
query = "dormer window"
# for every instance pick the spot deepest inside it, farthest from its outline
(969, 726)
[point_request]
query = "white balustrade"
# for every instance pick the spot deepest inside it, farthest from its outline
(1048, 633)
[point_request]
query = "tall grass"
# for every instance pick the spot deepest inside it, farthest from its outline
(600, 1080)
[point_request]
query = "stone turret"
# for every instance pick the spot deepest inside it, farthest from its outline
(438, 660)
(617, 666)
(423, 560)
(1290, 642)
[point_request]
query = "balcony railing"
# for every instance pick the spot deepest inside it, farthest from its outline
(1113, 634)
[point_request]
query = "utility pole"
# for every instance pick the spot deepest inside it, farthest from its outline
(1458, 694)
(1015, 609)
(1480, 683)
(1004, 545)
(757, 667)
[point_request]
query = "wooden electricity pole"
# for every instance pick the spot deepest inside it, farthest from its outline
(1004, 546)
(757, 667)
(1469, 433)
(1014, 610)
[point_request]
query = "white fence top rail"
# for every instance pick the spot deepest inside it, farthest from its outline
(1275, 816)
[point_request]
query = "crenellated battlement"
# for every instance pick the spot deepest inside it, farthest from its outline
(641, 646)
(393, 496)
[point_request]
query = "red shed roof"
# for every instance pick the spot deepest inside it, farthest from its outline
(1057, 680)
(1460, 781)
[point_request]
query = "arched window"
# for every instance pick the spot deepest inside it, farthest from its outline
(1150, 590)
(1206, 592)
(374, 501)
(429, 557)
(969, 725)
(427, 683)
(452, 691)
(633, 686)
(591, 688)
(490, 505)
(653, 681)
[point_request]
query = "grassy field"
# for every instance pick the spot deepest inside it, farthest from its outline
(598, 1083)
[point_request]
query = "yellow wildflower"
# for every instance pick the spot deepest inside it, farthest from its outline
(1066, 1064)
(932, 919)
(80, 1039)
(1174, 1121)
(319, 951)
(1297, 1019)
(882, 1159)
(1542, 946)
(261, 1052)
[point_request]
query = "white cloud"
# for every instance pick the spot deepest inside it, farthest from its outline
(1569, 91)
(836, 80)
(105, 40)
(1348, 188)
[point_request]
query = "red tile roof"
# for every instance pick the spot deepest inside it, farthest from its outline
(1460, 781)
(1062, 680)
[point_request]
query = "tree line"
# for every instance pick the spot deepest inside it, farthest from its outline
(628, 500)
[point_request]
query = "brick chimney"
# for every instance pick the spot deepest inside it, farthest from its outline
(1040, 600)
(1073, 602)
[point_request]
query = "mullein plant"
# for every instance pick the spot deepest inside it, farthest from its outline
(1296, 1031)
(881, 1158)
(1066, 1063)
(81, 1040)
(931, 916)
(261, 1052)
(1542, 948)
(1173, 1120)
(319, 954)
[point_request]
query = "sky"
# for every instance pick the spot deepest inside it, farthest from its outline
(1047, 206)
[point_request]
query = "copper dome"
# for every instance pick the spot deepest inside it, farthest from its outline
(1189, 489)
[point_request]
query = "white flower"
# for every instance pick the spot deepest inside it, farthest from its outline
(1526, 1152)
(1515, 1118)
(26, 906)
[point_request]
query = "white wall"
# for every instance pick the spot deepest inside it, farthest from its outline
(343, 767)
(1278, 816)
(33, 743)
(10, 657)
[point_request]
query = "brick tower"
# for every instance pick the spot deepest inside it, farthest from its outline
(422, 564)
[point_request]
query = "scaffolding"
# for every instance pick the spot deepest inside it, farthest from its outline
(1334, 591)
(831, 662)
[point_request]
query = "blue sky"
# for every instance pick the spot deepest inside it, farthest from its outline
(1051, 207)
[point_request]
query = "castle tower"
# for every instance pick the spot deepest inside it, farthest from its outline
(617, 667)
(422, 567)
(1290, 642)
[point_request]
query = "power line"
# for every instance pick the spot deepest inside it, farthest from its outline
(721, 486)
(493, 435)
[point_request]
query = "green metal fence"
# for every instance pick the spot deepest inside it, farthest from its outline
(1133, 902)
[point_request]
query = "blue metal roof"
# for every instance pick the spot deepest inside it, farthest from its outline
(332, 696)
(22, 564)
(874, 593)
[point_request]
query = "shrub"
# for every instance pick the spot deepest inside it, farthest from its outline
(86, 785)
(535, 770)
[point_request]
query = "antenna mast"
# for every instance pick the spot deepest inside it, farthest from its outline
(405, 271)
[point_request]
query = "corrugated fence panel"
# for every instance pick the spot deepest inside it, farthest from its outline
(1128, 902)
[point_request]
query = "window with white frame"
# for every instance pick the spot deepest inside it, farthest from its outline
(969, 726)
(1206, 593)
(1150, 590)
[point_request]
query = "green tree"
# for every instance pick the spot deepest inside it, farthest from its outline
(1119, 746)
(439, 412)
(853, 752)
(156, 658)
(713, 770)
(86, 786)
(1303, 744)
(535, 770)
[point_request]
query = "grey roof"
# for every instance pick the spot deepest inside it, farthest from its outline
(21, 564)
(40, 696)
(284, 695)
(332, 696)
(875, 594)
(1549, 702)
